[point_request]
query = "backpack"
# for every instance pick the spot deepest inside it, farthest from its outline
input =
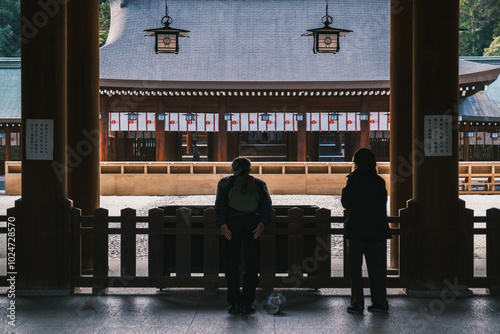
(244, 195)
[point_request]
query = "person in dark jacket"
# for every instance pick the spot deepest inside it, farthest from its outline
(239, 227)
(366, 231)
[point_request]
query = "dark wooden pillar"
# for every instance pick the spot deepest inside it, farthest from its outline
(83, 104)
(301, 134)
(173, 146)
(401, 104)
(466, 148)
(222, 135)
(42, 243)
(189, 143)
(435, 187)
(364, 131)
(8, 141)
(104, 125)
(160, 132)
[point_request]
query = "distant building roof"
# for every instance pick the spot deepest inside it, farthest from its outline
(10, 89)
(254, 43)
(482, 106)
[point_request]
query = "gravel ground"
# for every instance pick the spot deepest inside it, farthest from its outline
(479, 203)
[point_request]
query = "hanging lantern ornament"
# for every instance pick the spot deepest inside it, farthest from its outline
(326, 38)
(167, 38)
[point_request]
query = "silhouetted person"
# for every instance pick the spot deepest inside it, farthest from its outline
(366, 231)
(196, 152)
(242, 209)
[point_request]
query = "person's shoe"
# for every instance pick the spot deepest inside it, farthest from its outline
(234, 309)
(356, 309)
(247, 308)
(379, 307)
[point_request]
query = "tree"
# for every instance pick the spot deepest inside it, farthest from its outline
(104, 21)
(481, 19)
(10, 28)
(494, 48)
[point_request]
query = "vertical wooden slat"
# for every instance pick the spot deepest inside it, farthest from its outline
(128, 243)
(76, 245)
(156, 257)
(183, 244)
(100, 248)
(466, 243)
(296, 244)
(410, 241)
(268, 254)
(322, 252)
(403, 247)
(347, 274)
(493, 249)
(210, 250)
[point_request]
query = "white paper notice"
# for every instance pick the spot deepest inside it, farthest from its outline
(437, 136)
(40, 139)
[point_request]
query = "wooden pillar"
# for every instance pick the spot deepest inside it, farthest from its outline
(466, 148)
(83, 104)
(7, 142)
(161, 154)
(435, 187)
(301, 134)
(222, 135)
(401, 84)
(41, 239)
(189, 143)
(364, 131)
(104, 127)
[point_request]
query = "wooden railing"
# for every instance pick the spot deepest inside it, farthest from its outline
(479, 177)
(198, 178)
(185, 248)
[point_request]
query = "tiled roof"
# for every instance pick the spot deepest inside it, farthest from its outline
(484, 106)
(10, 88)
(251, 41)
(247, 40)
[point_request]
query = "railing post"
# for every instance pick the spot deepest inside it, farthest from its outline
(76, 246)
(156, 255)
(183, 243)
(322, 251)
(210, 251)
(128, 243)
(268, 255)
(493, 250)
(100, 250)
(410, 247)
(466, 244)
(296, 246)
(347, 274)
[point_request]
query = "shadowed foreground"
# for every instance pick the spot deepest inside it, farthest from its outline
(190, 311)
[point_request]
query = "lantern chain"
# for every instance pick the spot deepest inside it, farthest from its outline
(327, 19)
(166, 20)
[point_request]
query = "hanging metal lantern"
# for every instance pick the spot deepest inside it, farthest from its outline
(167, 38)
(326, 38)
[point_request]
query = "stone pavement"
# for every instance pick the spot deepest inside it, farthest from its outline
(191, 311)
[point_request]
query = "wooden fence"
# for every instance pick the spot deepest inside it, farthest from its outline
(185, 248)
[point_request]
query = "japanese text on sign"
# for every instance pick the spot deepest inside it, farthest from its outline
(438, 135)
(39, 139)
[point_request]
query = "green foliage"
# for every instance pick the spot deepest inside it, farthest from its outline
(10, 28)
(481, 18)
(494, 49)
(104, 21)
